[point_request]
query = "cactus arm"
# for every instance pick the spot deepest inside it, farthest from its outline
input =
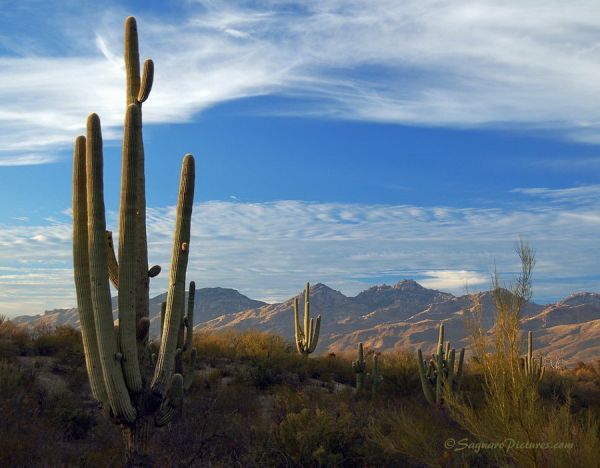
(118, 395)
(132, 60)
(82, 274)
(127, 257)
(297, 330)
(174, 312)
(142, 329)
(181, 334)
(147, 80)
(306, 315)
(171, 404)
(189, 334)
(142, 289)
(315, 336)
(447, 350)
(188, 378)
(450, 376)
(425, 383)
(310, 331)
(439, 379)
(440, 345)
(459, 369)
(163, 310)
(113, 266)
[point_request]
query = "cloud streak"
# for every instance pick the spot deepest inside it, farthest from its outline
(418, 62)
(268, 250)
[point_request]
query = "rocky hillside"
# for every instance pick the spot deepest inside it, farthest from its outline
(384, 317)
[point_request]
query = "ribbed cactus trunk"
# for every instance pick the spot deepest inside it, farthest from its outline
(137, 95)
(117, 358)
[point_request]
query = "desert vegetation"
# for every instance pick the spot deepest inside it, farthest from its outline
(255, 401)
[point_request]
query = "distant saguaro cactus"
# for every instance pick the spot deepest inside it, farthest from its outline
(118, 360)
(438, 375)
(532, 369)
(376, 377)
(359, 366)
(306, 340)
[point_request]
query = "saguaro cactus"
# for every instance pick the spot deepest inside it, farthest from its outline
(306, 340)
(359, 366)
(532, 369)
(376, 377)
(438, 375)
(118, 358)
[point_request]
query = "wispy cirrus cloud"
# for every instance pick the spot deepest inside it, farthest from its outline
(268, 250)
(418, 62)
(584, 194)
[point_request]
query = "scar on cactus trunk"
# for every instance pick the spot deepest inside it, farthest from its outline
(136, 397)
(438, 374)
(307, 338)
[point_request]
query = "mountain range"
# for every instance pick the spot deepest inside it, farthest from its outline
(384, 317)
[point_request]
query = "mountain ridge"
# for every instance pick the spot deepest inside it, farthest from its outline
(384, 317)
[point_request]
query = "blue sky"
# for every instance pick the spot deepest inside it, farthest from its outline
(346, 142)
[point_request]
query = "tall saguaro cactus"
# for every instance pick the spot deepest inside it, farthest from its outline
(307, 338)
(438, 375)
(117, 358)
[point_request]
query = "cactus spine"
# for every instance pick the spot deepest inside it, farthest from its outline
(438, 375)
(532, 369)
(118, 358)
(359, 366)
(306, 340)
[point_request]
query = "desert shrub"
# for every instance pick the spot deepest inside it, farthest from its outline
(64, 341)
(401, 374)
(76, 422)
(13, 379)
(321, 437)
(14, 338)
(418, 435)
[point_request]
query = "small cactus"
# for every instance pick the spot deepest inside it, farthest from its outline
(438, 375)
(359, 366)
(532, 369)
(306, 340)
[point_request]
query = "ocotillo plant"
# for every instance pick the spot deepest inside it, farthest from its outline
(306, 340)
(532, 369)
(359, 366)
(376, 377)
(438, 375)
(117, 362)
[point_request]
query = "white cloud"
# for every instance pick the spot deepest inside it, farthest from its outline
(455, 281)
(418, 62)
(585, 194)
(268, 250)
